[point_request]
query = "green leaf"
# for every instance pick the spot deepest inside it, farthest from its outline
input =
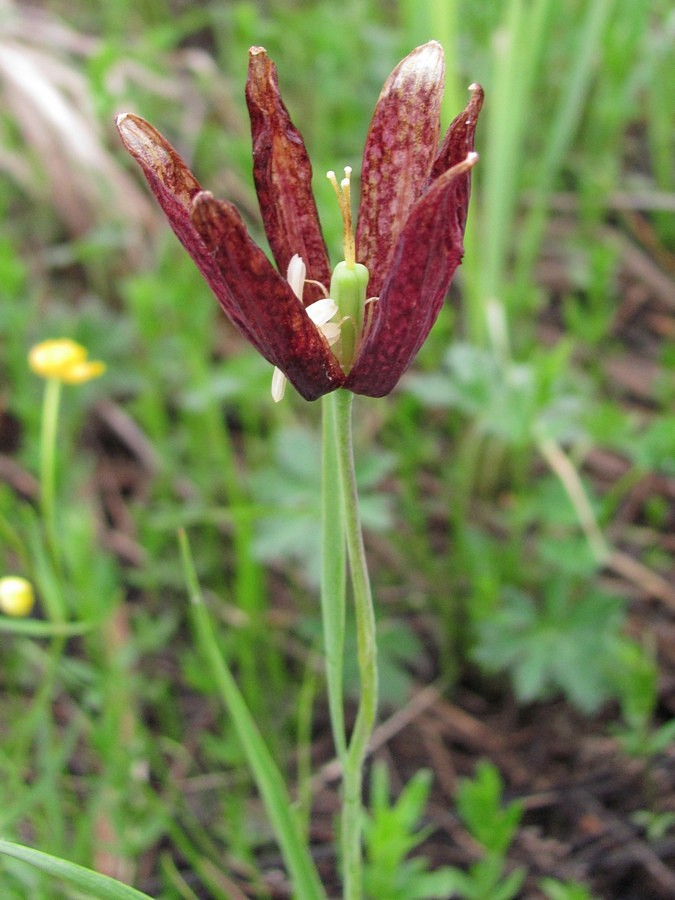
(391, 832)
(511, 401)
(571, 642)
(91, 883)
(558, 890)
(479, 803)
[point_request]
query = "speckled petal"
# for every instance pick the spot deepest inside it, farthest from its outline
(283, 176)
(175, 187)
(426, 256)
(282, 331)
(458, 141)
(400, 149)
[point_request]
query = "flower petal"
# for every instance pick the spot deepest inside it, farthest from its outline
(400, 149)
(426, 256)
(283, 176)
(175, 187)
(281, 329)
(458, 141)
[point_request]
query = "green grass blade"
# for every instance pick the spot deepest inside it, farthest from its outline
(38, 628)
(570, 109)
(517, 58)
(91, 883)
(265, 772)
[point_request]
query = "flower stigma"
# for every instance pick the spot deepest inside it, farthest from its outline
(343, 192)
(350, 279)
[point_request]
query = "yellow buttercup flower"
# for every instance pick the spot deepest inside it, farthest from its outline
(64, 360)
(16, 596)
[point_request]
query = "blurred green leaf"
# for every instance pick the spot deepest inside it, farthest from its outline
(571, 642)
(512, 401)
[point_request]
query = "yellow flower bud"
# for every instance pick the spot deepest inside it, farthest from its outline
(64, 360)
(16, 596)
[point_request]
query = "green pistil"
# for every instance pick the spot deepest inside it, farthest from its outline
(350, 279)
(348, 289)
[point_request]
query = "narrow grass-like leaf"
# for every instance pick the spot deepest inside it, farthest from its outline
(265, 771)
(91, 883)
(40, 628)
(582, 66)
(518, 53)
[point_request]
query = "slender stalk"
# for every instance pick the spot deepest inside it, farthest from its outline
(50, 417)
(333, 575)
(46, 563)
(352, 824)
(571, 481)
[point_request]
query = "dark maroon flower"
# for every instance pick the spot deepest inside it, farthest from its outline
(414, 201)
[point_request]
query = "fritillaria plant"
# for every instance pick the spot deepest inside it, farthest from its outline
(352, 330)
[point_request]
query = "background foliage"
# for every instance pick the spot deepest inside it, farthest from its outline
(497, 549)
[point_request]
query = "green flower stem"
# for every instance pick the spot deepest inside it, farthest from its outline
(50, 418)
(333, 574)
(352, 823)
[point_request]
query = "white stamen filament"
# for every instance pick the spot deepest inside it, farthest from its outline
(320, 312)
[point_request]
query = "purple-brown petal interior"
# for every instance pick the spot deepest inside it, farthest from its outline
(283, 332)
(401, 146)
(426, 256)
(283, 176)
